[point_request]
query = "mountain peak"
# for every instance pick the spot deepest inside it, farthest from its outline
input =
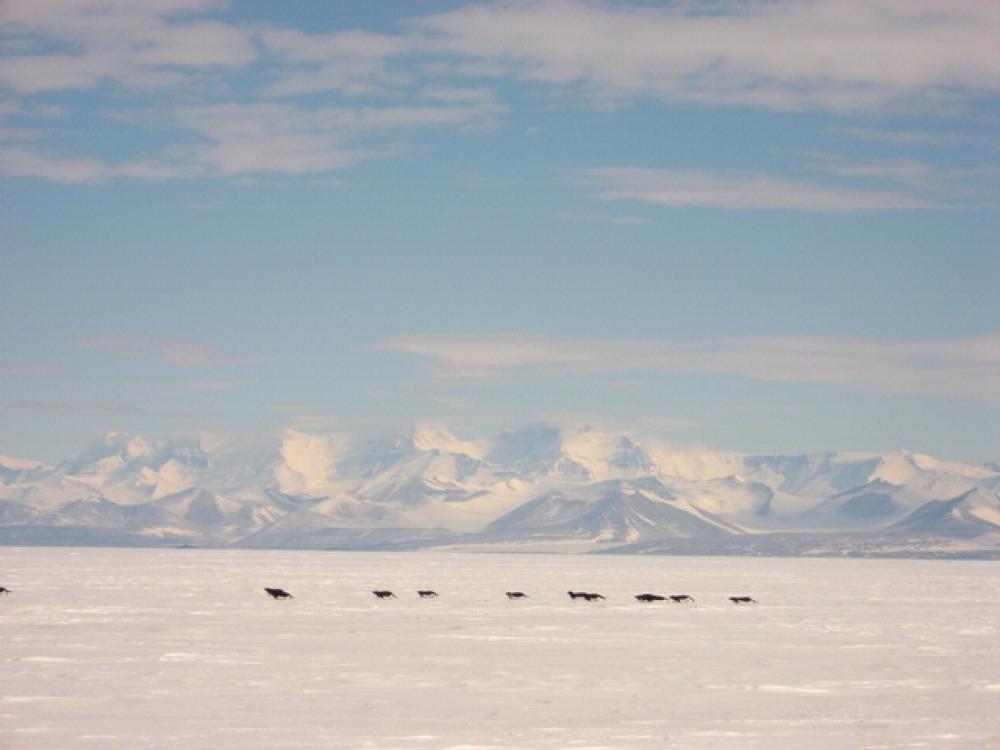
(428, 436)
(583, 483)
(605, 453)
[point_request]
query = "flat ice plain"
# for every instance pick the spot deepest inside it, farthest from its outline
(122, 648)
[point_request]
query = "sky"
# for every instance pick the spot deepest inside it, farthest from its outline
(754, 226)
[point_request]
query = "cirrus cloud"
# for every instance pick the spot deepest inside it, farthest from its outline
(847, 56)
(174, 352)
(692, 187)
(965, 368)
(106, 408)
(78, 44)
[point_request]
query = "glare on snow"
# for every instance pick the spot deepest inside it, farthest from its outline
(184, 649)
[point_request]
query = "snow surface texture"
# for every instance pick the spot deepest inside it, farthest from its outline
(539, 487)
(125, 648)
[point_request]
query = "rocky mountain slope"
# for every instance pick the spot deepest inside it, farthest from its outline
(538, 487)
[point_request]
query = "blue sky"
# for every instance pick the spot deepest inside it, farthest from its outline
(760, 226)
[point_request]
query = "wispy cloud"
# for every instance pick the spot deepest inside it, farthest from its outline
(238, 138)
(349, 62)
(900, 137)
(68, 44)
(168, 351)
(170, 44)
(847, 56)
(54, 166)
(787, 54)
(602, 218)
(850, 56)
(940, 186)
(966, 368)
(232, 139)
(27, 368)
(692, 187)
(107, 408)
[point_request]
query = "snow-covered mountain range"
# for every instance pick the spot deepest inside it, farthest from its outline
(538, 487)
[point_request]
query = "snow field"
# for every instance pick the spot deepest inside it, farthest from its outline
(122, 648)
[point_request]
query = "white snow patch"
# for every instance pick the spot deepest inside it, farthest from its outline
(183, 649)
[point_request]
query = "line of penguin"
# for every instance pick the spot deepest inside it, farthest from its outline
(585, 595)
